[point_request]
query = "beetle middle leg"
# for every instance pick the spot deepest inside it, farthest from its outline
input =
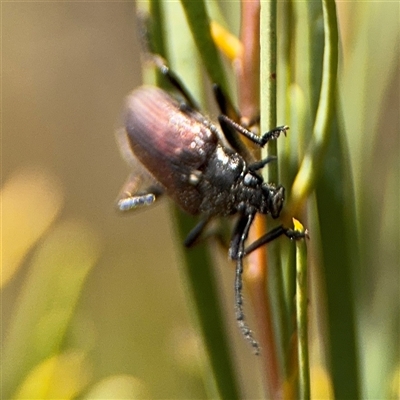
(137, 193)
(199, 234)
(194, 235)
(140, 189)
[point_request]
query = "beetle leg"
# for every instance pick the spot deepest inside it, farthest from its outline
(255, 166)
(237, 252)
(172, 78)
(149, 55)
(140, 189)
(193, 236)
(224, 104)
(259, 140)
(232, 137)
(196, 235)
(236, 236)
(274, 234)
(227, 108)
(134, 195)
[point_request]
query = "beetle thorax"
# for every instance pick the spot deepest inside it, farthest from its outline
(227, 187)
(251, 197)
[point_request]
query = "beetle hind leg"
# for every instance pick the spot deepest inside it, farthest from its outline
(150, 55)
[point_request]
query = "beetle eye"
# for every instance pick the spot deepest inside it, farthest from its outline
(277, 197)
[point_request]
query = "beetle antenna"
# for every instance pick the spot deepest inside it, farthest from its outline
(246, 331)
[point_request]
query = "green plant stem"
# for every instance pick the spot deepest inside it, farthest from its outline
(302, 319)
(256, 266)
(268, 34)
(157, 27)
(268, 58)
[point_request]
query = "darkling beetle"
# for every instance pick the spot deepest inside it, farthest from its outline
(174, 149)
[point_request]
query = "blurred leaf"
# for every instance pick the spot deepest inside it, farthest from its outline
(58, 377)
(183, 58)
(335, 197)
(31, 200)
(321, 385)
(118, 387)
(48, 299)
(394, 384)
(199, 25)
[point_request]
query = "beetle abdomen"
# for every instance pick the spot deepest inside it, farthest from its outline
(174, 144)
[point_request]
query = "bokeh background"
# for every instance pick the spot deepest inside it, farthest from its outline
(91, 294)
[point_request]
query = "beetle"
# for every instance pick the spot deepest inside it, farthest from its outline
(174, 149)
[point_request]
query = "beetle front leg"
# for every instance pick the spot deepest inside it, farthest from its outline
(259, 140)
(274, 234)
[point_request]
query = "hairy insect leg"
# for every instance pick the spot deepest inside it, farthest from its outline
(134, 195)
(225, 105)
(255, 166)
(274, 234)
(194, 235)
(236, 237)
(237, 252)
(161, 64)
(259, 140)
(198, 234)
(233, 139)
(140, 189)
(227, 109)
(150, 55)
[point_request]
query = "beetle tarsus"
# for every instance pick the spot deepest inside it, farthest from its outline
(273, 134)
(258, 140)
(293, 234)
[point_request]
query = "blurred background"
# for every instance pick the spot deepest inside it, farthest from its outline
(95, 295)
